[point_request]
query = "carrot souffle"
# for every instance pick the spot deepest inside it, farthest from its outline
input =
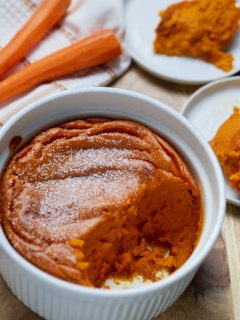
(199, 28)
(94, 199)
(226, 145)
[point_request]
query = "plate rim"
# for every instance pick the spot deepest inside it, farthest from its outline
(185, 107)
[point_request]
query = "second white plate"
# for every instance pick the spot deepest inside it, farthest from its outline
(142, 18)
(209, 107)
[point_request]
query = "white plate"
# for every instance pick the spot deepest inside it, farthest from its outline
(209, 107)
(142, 18)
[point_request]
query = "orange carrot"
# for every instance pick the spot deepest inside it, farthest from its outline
(91, 51)
(46, 16)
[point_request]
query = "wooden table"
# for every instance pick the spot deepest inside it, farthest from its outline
(215, 292)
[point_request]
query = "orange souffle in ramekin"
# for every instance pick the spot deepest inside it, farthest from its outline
(94, 199)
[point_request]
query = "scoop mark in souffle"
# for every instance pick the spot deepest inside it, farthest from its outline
(98, 199)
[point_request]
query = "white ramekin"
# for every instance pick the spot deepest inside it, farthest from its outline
(55, 299)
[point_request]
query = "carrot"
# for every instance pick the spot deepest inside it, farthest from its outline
(46, 16)
(91, 51)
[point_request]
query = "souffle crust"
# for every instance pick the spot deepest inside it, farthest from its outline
(99, 198)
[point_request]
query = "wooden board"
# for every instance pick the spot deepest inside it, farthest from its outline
(214, 293)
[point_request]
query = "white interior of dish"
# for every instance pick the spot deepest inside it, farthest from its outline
(120, 104)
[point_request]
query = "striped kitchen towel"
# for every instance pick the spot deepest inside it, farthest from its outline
(84, 17)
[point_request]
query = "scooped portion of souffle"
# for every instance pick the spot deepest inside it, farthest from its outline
(94, 199)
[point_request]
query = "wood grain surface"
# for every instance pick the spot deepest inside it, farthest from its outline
(215, 291)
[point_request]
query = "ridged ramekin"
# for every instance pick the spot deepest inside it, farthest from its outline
(55, 299)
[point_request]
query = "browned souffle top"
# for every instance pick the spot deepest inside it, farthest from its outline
(100, 198)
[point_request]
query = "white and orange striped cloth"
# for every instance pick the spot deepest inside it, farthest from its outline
(84, 17)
